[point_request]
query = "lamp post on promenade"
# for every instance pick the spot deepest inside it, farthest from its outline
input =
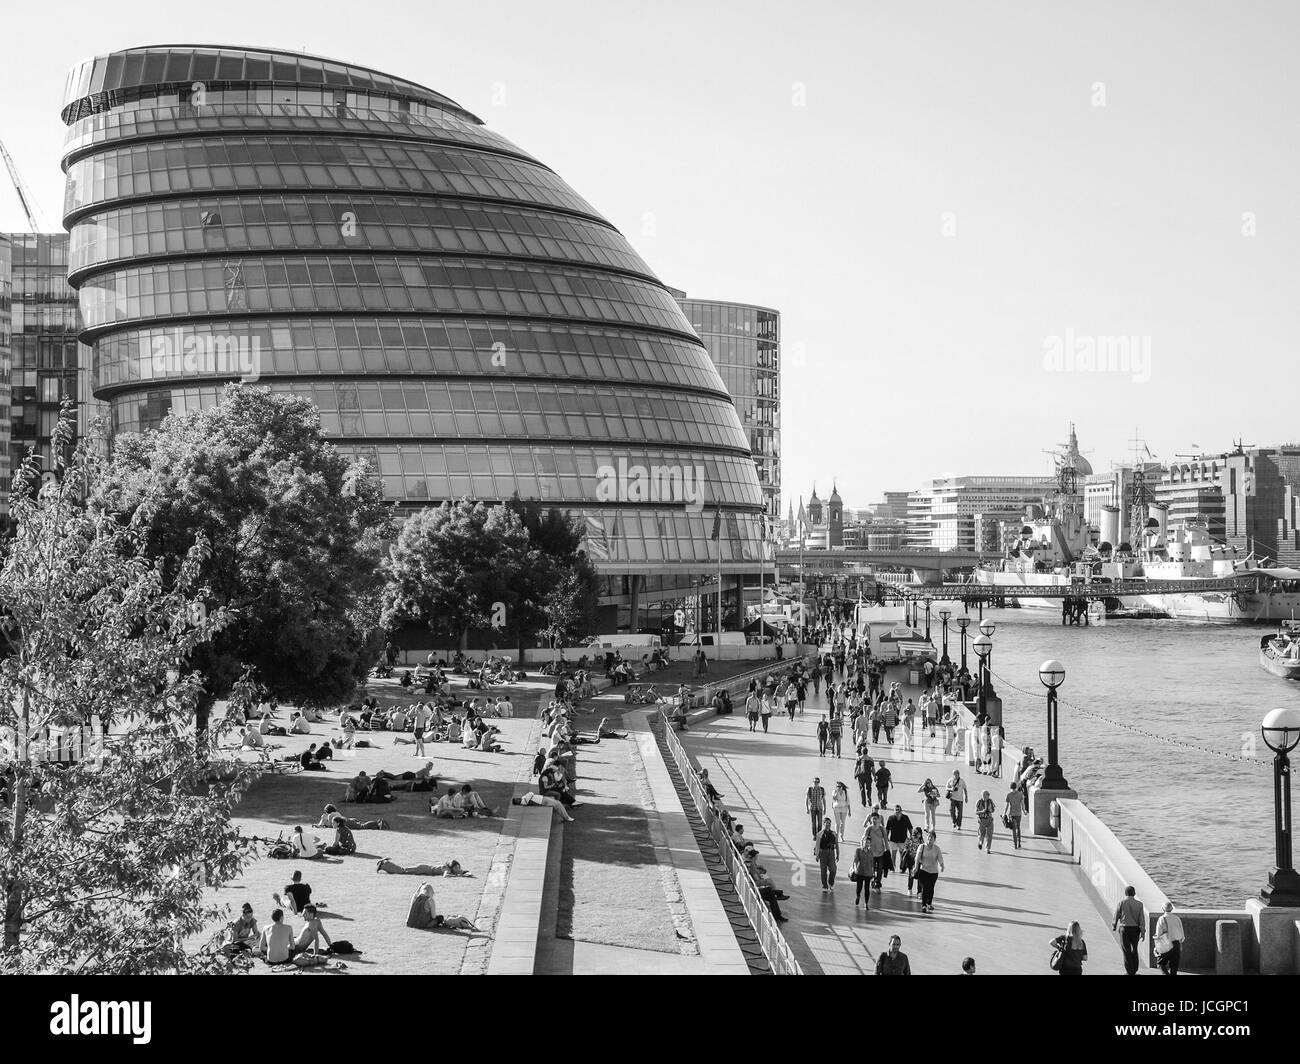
(926, 600)
(987, 628)
(963, 622)
(1052, 675)
(983, 647)
(1281, 732)
(944, 614)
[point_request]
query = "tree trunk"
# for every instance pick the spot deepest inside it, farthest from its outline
(464, 640)
(14, 895)
(202, 712)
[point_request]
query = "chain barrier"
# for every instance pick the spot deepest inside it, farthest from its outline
(1168, 740)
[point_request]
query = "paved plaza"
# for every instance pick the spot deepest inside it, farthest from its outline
(1003, 908)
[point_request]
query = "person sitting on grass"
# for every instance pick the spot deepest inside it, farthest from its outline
(472, 802)
(423, 914)
(243, 932)
(276, 944)
(298, 895)
(267, 728)
(305, 846)
(447, 868)
(344, 841)
(299, 725)
(602, 732)
(310, 760)
(312, 932)
(486, 742)
(251, 739)
(330, 812)
(447, 807)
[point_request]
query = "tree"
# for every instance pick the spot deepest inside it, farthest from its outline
(451, 564)
(104, 859)
(558, 589)
(295, 539)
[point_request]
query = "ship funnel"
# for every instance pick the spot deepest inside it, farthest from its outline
(1159, 513)
(1110, 525)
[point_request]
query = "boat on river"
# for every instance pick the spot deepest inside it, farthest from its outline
(1280, 653)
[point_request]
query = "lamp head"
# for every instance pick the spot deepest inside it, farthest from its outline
(944, 614)
(963, 622)
(988, 627)
(1052, 673)
(983, 645)
(1281, 729)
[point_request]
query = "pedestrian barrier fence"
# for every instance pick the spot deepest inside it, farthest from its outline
(773, 943)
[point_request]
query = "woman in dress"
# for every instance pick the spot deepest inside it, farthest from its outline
(841, 807)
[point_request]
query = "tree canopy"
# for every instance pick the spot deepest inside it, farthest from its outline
(294, 532)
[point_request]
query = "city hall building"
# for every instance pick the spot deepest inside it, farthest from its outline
(461, 317)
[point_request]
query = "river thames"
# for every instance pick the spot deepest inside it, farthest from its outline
(1202, 826)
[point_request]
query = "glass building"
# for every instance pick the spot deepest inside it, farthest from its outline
(6, 302)
(461, 317)
(744, 342)
(47, 363)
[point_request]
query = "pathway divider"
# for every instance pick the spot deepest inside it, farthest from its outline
(775, 948)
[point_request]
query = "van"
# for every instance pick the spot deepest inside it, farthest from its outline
(625, 641)
(710, 639)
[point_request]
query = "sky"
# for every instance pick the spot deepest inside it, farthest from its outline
(980, 222)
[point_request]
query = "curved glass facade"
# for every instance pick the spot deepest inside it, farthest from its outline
(460, 316)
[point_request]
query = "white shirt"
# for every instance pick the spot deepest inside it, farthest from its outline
(958, 788)
(1170, 924)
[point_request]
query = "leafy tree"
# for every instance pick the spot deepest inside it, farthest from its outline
(295, 539)
(558, 589)
(103, 861)
(450, 564)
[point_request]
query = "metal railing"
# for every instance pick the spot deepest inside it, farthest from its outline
(773, 943)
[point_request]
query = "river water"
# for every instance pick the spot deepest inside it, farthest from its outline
(1202, 826)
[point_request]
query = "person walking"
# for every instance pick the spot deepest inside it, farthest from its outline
(1169, 940)
(791, 697)
(836, 732)
(914, 843)
(420, 721)
(817, 682)
(889, 721)
(861, 872)
(828, 855)
(984, 810)
(861, 727)
(877, 718)
(929, 802)
(909, 725)
(883, 779)
(894, 961)
(823, 736)
(863, 772)
(1013, 811)
(1131, 922)
(765, 710)
(841, 807)
(1072, 950)
(815, 804)
(929, 863)
(951, 743)
(956, 790)
(801, 689)
(751, 709)
(875, 842)
(897, 829)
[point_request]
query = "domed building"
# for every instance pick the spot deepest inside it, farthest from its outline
(461, 317)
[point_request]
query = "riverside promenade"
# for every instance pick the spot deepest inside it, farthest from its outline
(1002, 908)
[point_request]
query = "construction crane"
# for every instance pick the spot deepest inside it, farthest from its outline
(24, 196)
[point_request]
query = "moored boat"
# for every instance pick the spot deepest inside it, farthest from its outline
(1280, 653)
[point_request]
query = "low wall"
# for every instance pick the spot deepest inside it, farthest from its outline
(410, 657)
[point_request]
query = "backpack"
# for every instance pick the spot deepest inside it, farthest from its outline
(342, 945)
(281, 851)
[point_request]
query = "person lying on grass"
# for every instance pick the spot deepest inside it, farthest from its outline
(424, 779)
(331, 811)
(447, 868)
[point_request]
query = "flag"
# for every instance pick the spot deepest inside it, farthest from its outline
(717, 524)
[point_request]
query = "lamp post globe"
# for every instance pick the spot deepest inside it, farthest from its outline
(982, 646)
(1281, 732)
(988, 626)
(1052, 675)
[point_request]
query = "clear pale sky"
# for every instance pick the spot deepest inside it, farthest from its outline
(810, 157)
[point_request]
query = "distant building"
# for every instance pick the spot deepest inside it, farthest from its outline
(1261, 512)
(966, 513)
(821, 524)
(1193, 493)
(744, 342)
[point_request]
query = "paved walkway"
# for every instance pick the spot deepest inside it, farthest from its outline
(1003, 908)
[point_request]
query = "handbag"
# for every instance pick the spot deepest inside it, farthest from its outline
(1058, 957)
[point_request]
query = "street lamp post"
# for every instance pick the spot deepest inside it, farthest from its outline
(987, 628)
(1052, 674)
(927, 618)
(1281, 731)
(983, 647)
(944, 614)
(963, 622)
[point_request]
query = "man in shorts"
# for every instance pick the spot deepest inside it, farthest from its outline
(420, 721)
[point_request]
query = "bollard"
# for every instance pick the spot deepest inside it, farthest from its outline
(1227, 947)
(1054, 816)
